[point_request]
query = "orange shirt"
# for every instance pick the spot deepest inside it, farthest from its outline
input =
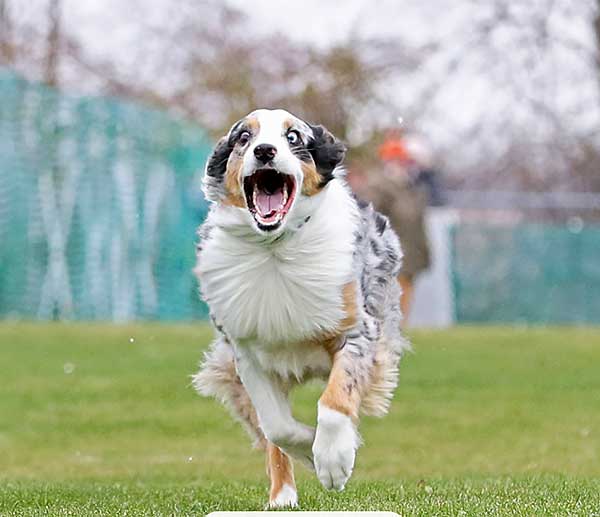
(393, 149)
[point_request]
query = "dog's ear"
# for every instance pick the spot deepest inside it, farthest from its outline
(217, 161)
(213, 183)
(216, 166)
(327, 151)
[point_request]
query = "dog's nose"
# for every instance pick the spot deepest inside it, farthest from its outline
(265, 152)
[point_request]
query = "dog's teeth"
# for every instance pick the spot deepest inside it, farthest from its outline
(254, 194)
(285, 197)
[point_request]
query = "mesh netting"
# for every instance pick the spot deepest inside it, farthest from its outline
(99, 201)
(529, 273)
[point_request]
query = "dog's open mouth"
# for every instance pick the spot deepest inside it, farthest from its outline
(269, 196)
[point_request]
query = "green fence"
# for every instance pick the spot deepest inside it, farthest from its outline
(99, 201)
(527, 273)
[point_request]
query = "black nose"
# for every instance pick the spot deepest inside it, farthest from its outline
(265, 152)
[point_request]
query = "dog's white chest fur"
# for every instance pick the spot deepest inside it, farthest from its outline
(283, 291)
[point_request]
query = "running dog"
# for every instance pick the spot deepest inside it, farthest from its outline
(301, 282)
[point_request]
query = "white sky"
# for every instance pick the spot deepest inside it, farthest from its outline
(327, 22)
(111, 29)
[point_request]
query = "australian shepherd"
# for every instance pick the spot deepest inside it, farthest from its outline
(301, 282)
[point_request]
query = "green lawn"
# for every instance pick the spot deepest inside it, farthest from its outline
(102, 420)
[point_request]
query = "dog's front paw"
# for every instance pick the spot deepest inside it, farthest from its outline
(334, 448)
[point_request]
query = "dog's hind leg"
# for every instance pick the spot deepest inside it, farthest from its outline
(218, 378)
(281, 473)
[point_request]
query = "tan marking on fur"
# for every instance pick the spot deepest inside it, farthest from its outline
(341, 393)
(253, 124)
(330, 341)
(279, 469)
(233, 175)
(288, 123)
(233, 184)
(311, 183)
(350, 306)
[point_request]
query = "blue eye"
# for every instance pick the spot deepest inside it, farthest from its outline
(293, 137)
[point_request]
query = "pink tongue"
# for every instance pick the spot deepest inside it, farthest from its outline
(267, 203)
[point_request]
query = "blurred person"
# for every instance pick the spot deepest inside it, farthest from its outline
(398, 192)
(421, 169)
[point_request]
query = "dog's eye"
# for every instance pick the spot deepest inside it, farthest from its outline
(244, 138)
(293, 137)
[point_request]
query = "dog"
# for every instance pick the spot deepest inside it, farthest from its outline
(301, 282)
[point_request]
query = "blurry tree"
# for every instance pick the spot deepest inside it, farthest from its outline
(508, 92)
(523, 75)
(597, 39)
(207, 64)
(53, 48)
(6, 43)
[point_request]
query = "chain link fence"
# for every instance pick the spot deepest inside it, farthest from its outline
(99, 202)
(100, 199)
(526, 273)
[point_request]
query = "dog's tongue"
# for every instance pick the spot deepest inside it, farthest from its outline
(267, 203)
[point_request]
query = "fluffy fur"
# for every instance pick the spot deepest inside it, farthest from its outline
(307, 291)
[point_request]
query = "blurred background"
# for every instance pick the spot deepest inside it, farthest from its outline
(486, 113)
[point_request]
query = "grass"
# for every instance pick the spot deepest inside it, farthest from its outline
(102, 420)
